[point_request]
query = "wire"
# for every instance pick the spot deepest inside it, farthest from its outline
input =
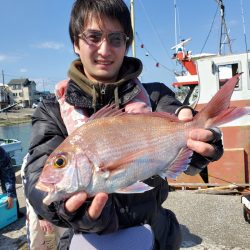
(151, 55)
(153, 28)
(210, 29)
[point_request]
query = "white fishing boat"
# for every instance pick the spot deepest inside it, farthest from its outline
(11, 146)
(204, 75)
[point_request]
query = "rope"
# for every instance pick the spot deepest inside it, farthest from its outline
(149, 53)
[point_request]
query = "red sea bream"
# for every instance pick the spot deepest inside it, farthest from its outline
(114, 150)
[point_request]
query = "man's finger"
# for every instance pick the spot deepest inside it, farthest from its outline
(74, 202)
(50, 228)
(10, 202)
(201, 148)
(201, 135)
(97, 205)
(185, 115)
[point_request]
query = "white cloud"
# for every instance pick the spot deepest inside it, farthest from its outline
(23, 70)
(8, 58)
(50, 45)
(2, 57)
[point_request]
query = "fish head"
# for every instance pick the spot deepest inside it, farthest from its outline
(65, 173)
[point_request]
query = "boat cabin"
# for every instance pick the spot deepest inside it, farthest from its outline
(212, 72)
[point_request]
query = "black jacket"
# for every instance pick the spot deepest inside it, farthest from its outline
(121, 210)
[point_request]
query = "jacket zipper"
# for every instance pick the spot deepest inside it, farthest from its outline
(102, 92)
(103, 89)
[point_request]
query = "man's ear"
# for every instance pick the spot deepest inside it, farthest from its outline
(76, 48)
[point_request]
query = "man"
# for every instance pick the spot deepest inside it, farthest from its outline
(101, 34)
(8, 180)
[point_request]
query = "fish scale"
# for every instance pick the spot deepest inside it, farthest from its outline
(114, 151)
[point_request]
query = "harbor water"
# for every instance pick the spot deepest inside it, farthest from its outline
(21, 132)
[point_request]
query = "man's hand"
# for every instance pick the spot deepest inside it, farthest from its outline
(10, 202)
(198, 138)
(96, 207)
(46, 226)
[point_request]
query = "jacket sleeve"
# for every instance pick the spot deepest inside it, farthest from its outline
(163, 100)
(7, 174)
(48, 131)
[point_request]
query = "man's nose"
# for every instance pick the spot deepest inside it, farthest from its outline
(104, 47)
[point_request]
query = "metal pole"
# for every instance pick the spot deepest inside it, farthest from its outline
(133, 26)
(175, 22)
(3, 77)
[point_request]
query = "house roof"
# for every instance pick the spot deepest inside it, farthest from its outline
(22, 81)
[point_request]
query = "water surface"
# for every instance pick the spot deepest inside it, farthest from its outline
(21, 132)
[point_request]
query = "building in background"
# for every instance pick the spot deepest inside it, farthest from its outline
(23, 91)
(6, 96)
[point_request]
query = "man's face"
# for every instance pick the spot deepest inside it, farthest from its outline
(101, 63)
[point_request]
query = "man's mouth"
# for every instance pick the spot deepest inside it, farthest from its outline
(103, 62)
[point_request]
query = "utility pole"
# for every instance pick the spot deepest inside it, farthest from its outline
(3, 77)
(43, 87)
(133, 25)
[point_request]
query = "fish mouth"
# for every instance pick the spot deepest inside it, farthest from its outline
(46, 187)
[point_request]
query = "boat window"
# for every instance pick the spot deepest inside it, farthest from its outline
(226, 71)
(188, 95)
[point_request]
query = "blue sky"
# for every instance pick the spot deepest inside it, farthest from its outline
(35, 43)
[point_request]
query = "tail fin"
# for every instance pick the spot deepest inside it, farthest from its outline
(217, 111)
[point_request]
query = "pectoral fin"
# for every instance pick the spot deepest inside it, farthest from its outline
(138, 187)
(179, 164)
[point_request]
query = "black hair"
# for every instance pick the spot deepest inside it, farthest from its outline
(82, 10)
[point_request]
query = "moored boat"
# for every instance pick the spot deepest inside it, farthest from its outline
(10, 146)
(204, 75)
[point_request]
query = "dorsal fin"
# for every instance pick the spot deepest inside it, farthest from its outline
(170, 117)
(112, 110)
(107, 111)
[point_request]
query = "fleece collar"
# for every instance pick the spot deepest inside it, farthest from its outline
(100, 94)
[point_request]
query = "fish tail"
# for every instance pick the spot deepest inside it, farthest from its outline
(217, 111)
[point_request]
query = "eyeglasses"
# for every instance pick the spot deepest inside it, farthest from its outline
(96, 38)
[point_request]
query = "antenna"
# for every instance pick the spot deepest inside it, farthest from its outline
(181, 44)
(224, 35)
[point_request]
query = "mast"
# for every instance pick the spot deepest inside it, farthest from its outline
(224, 35)
(175, 22)
(133, 26)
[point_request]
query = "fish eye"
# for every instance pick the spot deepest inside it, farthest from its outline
(60, 162)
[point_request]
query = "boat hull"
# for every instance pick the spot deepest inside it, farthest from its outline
(10, 146)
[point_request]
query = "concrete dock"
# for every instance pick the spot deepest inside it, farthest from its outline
(208, 222)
